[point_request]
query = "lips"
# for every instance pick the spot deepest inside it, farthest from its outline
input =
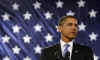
(73, 32)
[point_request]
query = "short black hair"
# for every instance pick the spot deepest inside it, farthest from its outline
(63, 18)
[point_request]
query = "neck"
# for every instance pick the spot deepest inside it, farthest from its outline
(65, 39)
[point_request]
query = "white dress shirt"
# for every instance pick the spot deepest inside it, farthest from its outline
(62, 43)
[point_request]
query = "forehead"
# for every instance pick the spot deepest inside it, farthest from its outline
(71, 20)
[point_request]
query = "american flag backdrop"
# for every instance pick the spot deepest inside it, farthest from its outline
(28, 26)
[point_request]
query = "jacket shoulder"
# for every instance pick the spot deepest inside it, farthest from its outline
(84, 48)
(51, 48)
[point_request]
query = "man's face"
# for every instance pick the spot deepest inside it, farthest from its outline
(69, 28)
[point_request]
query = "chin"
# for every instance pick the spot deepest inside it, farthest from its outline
(71, 38)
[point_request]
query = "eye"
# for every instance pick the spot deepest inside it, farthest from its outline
(76, 25)
(70, 24)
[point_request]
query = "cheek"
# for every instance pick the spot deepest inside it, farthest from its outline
(67, 29)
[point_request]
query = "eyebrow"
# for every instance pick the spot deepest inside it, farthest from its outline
(72, 23)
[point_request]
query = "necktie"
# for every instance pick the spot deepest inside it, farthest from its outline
(66, 52)
(67, 56)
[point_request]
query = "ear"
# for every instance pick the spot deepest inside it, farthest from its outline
(59, 28)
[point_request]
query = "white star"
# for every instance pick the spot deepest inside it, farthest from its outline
(16, 28)
(15, 6)
(92, 13)
(93, 36)
(81, 3)
(6, 58)
(48, 38)
(37, 28)
(96, 57)
(70, 13)
(59, 4)
(48, 15)
(27, 58)
(82, 27)
(27, 15)
(6, 17)
(37, 5)
(5, 39)
(38, 49)
(27, 39)
(16, 50)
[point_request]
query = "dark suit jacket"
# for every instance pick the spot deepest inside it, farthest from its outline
(79, 52)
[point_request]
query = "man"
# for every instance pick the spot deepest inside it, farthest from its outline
(67, 49)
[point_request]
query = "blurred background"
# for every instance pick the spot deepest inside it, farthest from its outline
(28, 26)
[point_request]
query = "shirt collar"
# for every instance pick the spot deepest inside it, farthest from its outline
(70, 48)
(64, 43)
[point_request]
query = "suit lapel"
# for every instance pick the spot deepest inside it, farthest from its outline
(58, 53)
(75, 52)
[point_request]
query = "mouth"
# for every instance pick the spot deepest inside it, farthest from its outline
(74, 32)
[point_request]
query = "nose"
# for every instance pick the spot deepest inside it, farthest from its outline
(74, 28)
